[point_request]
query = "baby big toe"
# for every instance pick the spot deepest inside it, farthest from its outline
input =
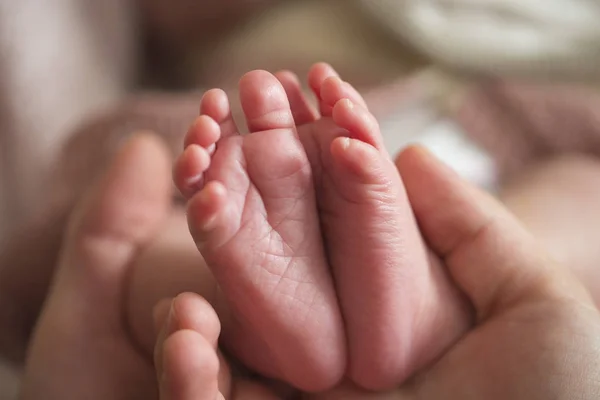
(361, 124)
(302, 110)
(265, 102)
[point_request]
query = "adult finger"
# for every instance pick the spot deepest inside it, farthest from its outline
(81, 347)
(490, 256)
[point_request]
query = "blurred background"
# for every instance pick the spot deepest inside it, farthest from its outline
(491, 86)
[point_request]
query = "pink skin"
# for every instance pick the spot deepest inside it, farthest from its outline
(399, 308)
(186, 360)
(188, 363)
(256, 223)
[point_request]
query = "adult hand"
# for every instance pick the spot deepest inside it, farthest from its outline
(537, 334)
(81, 348)
(534, 320)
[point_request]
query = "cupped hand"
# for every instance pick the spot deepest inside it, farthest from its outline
(537, 334)
(536, 337)
(82, 346)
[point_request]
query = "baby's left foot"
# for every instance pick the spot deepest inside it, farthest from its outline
(252, 213)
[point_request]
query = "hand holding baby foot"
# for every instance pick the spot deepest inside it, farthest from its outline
(537, 331)
(534, 320)
(81, 347)
(257, 206)
(400, 308)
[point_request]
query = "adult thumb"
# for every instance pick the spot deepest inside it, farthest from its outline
(81, 347)
(117, 217)
(489, 255)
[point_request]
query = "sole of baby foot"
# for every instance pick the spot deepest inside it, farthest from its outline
(255, 221)
(401, 310)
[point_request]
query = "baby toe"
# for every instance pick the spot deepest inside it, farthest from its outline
(334, 89)
(189, 168)
(302, 110)
(207, 217)
(318, 74)
(265, 102)
(204, 131)
(361, 124)
(215, 104)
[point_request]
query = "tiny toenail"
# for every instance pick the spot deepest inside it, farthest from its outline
(191, 181)
(345, 143)
(204, 196)
(171, 320)
(348, 103)
(211, 149)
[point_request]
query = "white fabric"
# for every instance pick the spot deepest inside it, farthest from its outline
(448, 142)
(500, 36)
(442, 137)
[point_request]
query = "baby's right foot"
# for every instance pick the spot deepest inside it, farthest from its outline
(400, 309)
(253, 214)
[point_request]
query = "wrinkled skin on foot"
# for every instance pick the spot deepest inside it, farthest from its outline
(150, 281)
(256, 204)
(543, 323)
(255, 221)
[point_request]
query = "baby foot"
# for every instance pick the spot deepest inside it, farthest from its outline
(253, 214)
(188, 364)
(400, 309)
